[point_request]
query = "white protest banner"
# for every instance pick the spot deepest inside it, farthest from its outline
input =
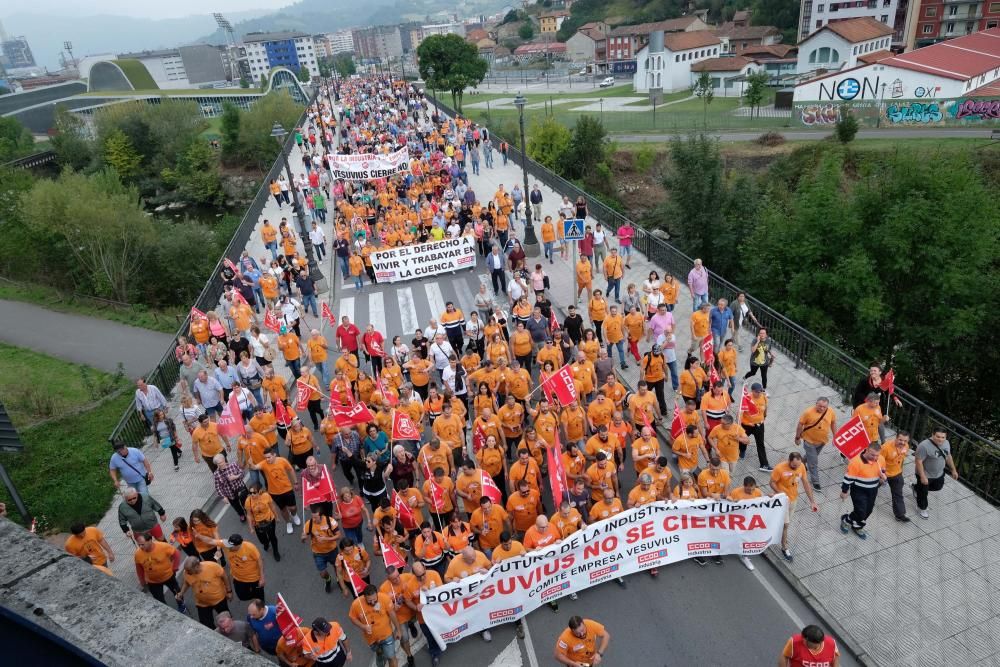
(644, 537)
(424, 259)
(368, 166)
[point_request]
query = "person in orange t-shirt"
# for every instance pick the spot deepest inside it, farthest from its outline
(524, 506)
(584, 642)
(786, 478)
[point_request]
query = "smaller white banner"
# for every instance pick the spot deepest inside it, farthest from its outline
(368, 166)
(424, 259)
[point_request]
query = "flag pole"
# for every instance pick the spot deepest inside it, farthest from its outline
(427, 467)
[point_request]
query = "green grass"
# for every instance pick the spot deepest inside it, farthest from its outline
(62, 474)
(36, 386)
(137, 74)
(214, 129)
(165, 320)
(173, 92)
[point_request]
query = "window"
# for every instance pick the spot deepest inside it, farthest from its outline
(855, 51)
(926, 29)
(991, 24)
(872, 4)
(994, 7)
(677, 59)
(715, 51)
(950, 28)
(931, 11)
(953, 10)
(834, 56)
(715, 82)
(884, 18)
(819, 8)
(819, 24)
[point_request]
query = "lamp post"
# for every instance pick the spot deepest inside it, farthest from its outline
(279, 133)
(530, 244)
(430, 80)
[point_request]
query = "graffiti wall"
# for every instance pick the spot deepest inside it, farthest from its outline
(926, 111)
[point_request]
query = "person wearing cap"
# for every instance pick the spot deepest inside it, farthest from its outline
(374, 614)
(245, 567)
(753, 425)
(330, 645)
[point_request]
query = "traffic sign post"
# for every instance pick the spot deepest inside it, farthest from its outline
(573, 231)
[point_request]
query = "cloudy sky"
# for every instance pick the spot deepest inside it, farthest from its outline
(155, 9)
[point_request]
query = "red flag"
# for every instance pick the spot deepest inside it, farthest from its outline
(437, 495)
(889, 382)
(289, 624)
(357, 583)
(851, 439)
(230, 422)
(351, 415)
(713, 376)
(404, 511)
(302, 391)
(389, 556)
(387, 395)
(553, 322)
(197, 314)
(707, 349)
(239, 298)
(228, 262)
(645, 421)
(557, 475)
(677, 424)
(271, 321)
(403, 427)
(560, 384)
(478, 437)
(320, 491)
(425, 467)
(281, 414)
(490, 488)
(746, 404)
(328, 314)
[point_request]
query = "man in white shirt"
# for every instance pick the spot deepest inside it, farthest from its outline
(600, 245)
(318, 238)
(440, 351)
(433, 329)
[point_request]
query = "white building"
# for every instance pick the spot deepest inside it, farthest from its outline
(838, 46)
(667, 68)
(341, 41)
(815, 14)
(728, 74)
(293, 50)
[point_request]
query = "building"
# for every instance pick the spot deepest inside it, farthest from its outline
(814, 14)
(737, 38)
(537, 50)
(728, 74)
(664, 64)
(266, 50)
(778, 60)
(16, 54)
(550, 22)
(587, 45)
(625, 41)
(197, 66)
(931, 21)
(418, 34)
(954, 82)
(836, 46)
(381, 42)
(340, 41)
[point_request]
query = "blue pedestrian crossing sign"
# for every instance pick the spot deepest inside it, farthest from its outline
(573, 229)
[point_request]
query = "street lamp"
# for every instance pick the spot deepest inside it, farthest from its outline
(279, 133)
(530, 244)
(430, 80)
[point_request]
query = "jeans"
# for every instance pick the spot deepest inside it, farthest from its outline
(321, 214)
(258, 295)
(206, 616)
(356, 534)
(697, 300)
(324, 369)
(614, 284)
(320, 250)
(432, 646)
(620, 345)
(295, 366)
(812, 460)
(475, 167)
(933, 484)
(863, 500)
(345, 270)
(896, 489)
(548, 249)
(139, 485)
(504, 236)
(156, 590)
(273, 247)
(309, 301)
(499, 278)
(675, 379)
(657, 389)
(236, 502)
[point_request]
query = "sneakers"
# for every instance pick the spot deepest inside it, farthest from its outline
(289, 529)
(176, 468)
(747, 563)
(573, 596)
(621, 582)
(327, 585)
(519, 630)
(903, 519)
(816, 486)
(860, 532)
(845, 525)
(787, 555)
(487, 636)
(410, 662)
(554, 606)
(654, 573)
(296, 520)
(181, 607)
(924, 514)
(701, 561)
(624, 366)
(765, 468)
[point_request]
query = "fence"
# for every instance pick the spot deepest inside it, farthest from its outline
(665, 119)
(31, 161)
(977, 457)
(130, 428)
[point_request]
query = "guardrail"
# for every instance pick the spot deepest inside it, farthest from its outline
(977, 457)
(31, 161)
(130, 428)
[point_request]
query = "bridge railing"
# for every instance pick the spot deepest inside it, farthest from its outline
(977, 457)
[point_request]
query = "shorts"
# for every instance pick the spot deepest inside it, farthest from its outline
(284, 500)
(299, 460)
(215, 409)
(385, 648)
(322, 560)
(625, 250)
(791, 509)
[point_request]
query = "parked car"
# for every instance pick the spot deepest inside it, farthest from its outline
(608, 82)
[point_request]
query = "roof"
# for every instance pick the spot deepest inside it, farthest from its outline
(726, 64)
(989, 90)
(746, 32)
(554, 14)
(540, 47)
(741, 15)
(961, 58)
(161, 53)
(592, 33)
(682, 41)
(875, 56)
(476, 34)
(763, 50)
(273, 36)
(856, 30)
(670, 25)
(591, 25)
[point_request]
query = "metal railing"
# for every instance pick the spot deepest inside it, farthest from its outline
(977, 457)
(130, 428)
(31, 161)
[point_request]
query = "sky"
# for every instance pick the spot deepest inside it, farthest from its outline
(151, 9)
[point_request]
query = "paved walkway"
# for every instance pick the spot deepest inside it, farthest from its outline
(920, 593)
(84, 340)
(817, 135)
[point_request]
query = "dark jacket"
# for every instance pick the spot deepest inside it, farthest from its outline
(140, 517)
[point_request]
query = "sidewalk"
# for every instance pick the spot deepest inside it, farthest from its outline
(920, 593)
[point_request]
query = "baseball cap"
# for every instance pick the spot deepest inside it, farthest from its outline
(756, 386)
(284, 329)
(234, 540)
(321, 625)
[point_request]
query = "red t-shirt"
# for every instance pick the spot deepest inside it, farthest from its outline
(799, 654)
(349, 337)
(351, 513)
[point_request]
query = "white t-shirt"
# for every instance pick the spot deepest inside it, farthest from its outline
(440, 352)
(599, 237)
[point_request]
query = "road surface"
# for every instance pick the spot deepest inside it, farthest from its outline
(813, 135)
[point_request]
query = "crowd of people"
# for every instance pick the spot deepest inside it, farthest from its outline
(472, 386)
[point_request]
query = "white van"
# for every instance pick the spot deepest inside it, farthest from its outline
(608, 82)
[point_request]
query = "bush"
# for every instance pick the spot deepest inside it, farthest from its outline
(644, 159)
(770, 139)
(847, 126)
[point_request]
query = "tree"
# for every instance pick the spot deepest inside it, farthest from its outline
(696, 190)
(455, 62)
(587, 149)
(704, 89)
(120, 155)
(229, 125)
(72, 146)
(548, 142)
(256, 145)
(244, 82)
(754, 93)
(102, 223)
(526, 31)
(304, 75)
(196, 177)
(343, 63)
(847, 126)
(15, 139)
(509, 17)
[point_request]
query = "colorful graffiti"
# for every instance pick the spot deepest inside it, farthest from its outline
(976, 110)
(820, 114)
(914, 112)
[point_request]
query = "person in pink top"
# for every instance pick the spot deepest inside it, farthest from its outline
(659, 324)
(625, 234)
(698, 285)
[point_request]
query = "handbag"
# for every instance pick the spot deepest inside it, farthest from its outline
(145, 475)
(166, 443)
(545, 282)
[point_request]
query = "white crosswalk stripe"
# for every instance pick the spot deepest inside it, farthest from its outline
(435, 299)
(376, 313)
(346, 308)
(407, 311)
